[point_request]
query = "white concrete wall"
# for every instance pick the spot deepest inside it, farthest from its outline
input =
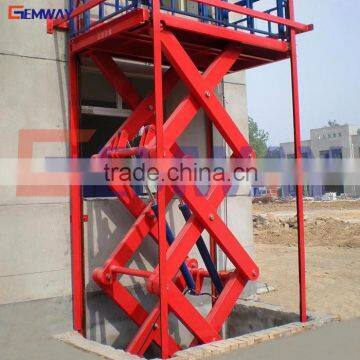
(34, 231)
(237, 209)
(356, 144)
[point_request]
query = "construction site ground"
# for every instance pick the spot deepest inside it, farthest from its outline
(27, 328)
(331, 342)
(333, 268)
(333, 284)
(332, 255)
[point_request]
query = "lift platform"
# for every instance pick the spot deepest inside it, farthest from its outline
(200, 42)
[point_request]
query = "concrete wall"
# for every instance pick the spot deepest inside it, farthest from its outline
(356, 143)
(355, 189)
(236, 209)
(34, 231)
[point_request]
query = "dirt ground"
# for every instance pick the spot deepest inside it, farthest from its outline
(333, 255)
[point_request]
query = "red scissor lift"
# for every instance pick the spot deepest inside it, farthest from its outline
(200, 48)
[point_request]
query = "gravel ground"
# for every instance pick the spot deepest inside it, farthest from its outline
(333, 256)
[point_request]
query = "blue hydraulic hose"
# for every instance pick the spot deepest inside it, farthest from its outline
(183, 268)
(204, 252)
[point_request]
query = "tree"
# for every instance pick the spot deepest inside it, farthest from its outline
(333, 123)
(258, 138)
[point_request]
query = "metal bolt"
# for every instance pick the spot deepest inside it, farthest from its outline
(108, 277)
(155, 326)
(254, 272)
(150, 107)
(207, 93)
(211, 217)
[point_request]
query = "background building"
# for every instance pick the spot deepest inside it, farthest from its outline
(329, 142)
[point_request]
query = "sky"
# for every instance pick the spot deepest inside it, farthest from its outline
(329, 73)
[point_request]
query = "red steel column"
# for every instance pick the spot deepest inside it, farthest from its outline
(76, 202)
(299, 170)
(161, 189)
(212, 242)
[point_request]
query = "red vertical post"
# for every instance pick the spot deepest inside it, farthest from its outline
(299, 170)
(76, 202)
(159, 115)
(212, 242)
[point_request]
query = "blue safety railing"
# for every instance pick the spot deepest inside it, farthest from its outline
(98, 14)
(202, 12)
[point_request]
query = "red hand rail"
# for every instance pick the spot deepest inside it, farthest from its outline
(59, 23)
(239, 9)
(257, 14)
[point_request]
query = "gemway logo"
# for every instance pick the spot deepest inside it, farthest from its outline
(19, 12)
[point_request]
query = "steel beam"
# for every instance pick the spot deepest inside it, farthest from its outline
(109, 30)
(76, 202)
(203, 91)
(159, 115)
(299, 169)
(291, 23)
(116, 78)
